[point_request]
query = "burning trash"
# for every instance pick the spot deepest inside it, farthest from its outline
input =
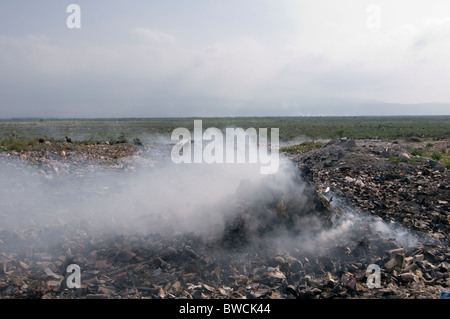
(266, 209)
(125, 224)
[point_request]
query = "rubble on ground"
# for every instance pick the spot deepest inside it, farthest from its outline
(351, 175)
(362, 174)
(58, 159)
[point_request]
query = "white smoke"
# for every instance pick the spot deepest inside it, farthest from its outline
(168, 199)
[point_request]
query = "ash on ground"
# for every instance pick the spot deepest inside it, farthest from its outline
(347, 207)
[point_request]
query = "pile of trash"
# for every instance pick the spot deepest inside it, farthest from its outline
(318, 239)
(363, 174)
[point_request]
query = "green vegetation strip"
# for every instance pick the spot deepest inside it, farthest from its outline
(400, 127)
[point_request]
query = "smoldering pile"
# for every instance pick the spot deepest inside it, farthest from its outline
(243, 237)
(273, 208)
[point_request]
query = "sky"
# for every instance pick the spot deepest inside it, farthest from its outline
(176, 58)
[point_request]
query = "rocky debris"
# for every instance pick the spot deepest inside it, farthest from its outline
(378, 178)
(60, 159)
(361, 175)
(191, 266)
(80, 151)
(330, 262)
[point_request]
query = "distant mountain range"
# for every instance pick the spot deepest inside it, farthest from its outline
(222, 107)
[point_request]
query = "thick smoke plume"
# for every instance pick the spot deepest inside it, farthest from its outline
(168, 199)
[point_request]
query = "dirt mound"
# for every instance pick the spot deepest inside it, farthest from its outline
(257, 212)
(383, 179)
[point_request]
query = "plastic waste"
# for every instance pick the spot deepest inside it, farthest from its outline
(445, 295)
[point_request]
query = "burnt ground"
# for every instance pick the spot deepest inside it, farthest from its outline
(391, 214)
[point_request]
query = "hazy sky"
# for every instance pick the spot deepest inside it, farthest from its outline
(224, 57)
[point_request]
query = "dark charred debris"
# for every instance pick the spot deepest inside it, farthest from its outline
(250, 259)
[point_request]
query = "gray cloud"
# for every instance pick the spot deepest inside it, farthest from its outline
(160, 70)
